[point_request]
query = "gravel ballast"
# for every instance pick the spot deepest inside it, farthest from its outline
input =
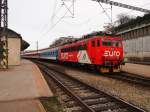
(132, 93)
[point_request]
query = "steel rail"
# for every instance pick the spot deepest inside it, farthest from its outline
(131, 78)
(129, 106)
(71, 94)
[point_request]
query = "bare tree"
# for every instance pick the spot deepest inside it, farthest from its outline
(62, 40)
(124, 18)
(109, 28)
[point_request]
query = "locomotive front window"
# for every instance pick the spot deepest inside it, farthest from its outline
(106, 43)
(116, 43)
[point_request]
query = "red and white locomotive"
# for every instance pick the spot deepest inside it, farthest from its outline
(102, 51)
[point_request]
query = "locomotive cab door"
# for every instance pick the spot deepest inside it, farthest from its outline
(95, 50)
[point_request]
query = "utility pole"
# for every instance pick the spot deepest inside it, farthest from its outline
(3, 34)
(111, 15)
(37, 46)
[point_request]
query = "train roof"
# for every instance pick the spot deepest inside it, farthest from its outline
(84, 37)
(92, 35)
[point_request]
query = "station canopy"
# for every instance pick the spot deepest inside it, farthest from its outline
(13, 34)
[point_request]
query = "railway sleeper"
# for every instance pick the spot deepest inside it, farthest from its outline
(74, 109)
(64, 97)
(75, 86)
(91, 96)
(83, 94)
(67, 100)
(116, 110)
(97, 101)
(78, 88)
(84, 91)
(106, 106)
(72, 85)
(70, 104)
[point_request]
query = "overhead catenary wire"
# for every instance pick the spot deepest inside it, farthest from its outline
(105, 12)
(50, 20)
(51, 28)
(55, 15)
(72, 13)
(68, 10)
(86, 21)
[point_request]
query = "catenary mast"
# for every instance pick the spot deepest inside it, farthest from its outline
(3, 34)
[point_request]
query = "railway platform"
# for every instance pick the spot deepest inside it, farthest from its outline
(139, 69)
(21, 87)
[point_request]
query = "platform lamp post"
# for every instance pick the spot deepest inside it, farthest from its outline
(3, 34)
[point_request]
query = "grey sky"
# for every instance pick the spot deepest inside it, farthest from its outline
(35, 19)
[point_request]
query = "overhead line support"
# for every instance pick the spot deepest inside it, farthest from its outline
(123, 5)
(3, 34)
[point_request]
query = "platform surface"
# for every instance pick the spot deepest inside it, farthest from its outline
(20, 88)
(143, 70)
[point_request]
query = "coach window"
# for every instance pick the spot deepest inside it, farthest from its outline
(98, 43)
(93, 43)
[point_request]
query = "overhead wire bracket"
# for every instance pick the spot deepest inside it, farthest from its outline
(70, 9)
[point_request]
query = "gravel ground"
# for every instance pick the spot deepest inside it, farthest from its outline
(132, 93)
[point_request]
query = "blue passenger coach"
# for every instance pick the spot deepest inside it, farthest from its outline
(49, 54)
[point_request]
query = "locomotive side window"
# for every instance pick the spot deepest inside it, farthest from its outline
(98, 43)
(107, 43)
(93, 43)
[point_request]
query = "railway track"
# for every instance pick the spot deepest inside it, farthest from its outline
(131, 78)
(81, 97)
(124, 76)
